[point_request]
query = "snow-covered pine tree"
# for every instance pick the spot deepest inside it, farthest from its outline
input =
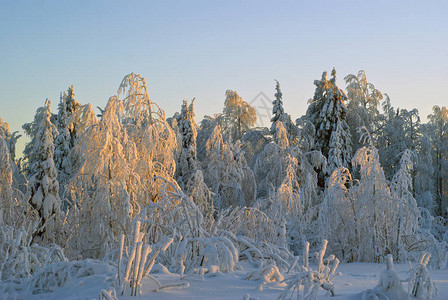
(188, 131)
(277, 109)
(44, 187)
(62, 147)
(338, 151)
(188, 174)
(328, 113)
(31, 130)
(279, 115)
(71, 104)
(66, 124)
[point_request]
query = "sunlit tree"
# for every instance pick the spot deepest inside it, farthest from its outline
(238, 115)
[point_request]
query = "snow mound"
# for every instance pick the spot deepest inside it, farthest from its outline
(79, 279)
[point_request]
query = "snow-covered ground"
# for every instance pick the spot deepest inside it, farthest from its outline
(356, 278)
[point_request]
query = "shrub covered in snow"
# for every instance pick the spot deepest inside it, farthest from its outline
(307, 282)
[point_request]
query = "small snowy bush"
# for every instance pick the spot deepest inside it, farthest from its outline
(308, 280)
(421, 285)
(19, 259)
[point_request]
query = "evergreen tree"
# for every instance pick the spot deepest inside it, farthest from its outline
(44, 187)
(328, 114)
(188, 174)
(279, 115)
(31, 129)
(188, 132)
(277, 109)
(62, 147)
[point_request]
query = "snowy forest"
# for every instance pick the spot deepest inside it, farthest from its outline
(122, 192)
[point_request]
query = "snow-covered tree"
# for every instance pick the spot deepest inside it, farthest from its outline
(364, 101)
(62, 147)
(328, 113)
(277, 109)
(153, 137)
(425, 189)
(227, 173)
(280, 136)
(128, 156)
(19, 180)
(188, 174)
(283, 205)
(356, 216)
(100, 187)
(205, 130)
(31, 130)
(15, 211)
(438, 124)
(375, 206)
(407, 214)
(279, 115)
(238, 115)
(400, 130)
(5, 179)
(362, 93)
(44, 187)
(67, 127)
(187, 160)
(4, 129)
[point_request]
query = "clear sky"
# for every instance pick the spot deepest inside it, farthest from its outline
(200, 49)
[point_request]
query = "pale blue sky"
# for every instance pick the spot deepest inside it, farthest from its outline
(200, 49)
